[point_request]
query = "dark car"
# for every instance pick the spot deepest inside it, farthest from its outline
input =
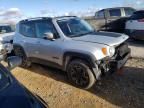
(15, 95)
(112, 19)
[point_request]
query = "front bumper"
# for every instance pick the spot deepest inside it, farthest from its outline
(6, 48)
(118, 64)
(111, 65)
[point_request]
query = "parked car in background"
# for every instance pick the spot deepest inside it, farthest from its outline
(72, 45)
(112, 19)
(12, 93)
(135, 25)
(6, 39)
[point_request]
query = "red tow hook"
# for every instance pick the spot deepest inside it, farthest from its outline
(120, 71)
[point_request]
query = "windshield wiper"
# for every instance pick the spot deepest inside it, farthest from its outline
(88, 33)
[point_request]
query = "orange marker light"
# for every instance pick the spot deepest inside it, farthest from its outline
(104, 50)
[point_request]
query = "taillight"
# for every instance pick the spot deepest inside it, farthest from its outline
(141, 20)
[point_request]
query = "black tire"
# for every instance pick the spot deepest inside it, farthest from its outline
(25, 62)
(80, 74)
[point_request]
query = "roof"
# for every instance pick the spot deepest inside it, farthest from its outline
(116, 8)
(46, 18)
(35, 19)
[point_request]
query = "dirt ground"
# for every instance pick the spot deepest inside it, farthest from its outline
(125, 90)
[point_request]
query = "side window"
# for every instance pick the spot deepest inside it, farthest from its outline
(129, 11)
(44, 27)
(115, 12)
(27, 29)
(100, 14)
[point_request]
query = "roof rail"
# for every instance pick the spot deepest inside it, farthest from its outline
(39, 18)
(64, 16)
(36, 18)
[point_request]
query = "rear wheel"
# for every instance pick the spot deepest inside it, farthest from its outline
(25, 62)
(80, 74)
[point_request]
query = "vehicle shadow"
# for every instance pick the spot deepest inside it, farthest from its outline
(126, 90)
(49, 72)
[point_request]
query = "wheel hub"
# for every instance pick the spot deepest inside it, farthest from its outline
(79, 75)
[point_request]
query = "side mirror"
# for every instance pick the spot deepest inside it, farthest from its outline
(49, 36)
(13, 62)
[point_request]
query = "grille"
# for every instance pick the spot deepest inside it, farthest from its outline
(122, 50)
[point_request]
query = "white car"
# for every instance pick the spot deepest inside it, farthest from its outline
(135, 25)
(6, 37)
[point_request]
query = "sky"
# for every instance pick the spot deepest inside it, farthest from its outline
(12, 10)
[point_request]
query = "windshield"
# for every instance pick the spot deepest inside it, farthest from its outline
(5, 29)
(74, 27)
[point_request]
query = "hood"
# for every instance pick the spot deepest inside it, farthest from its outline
(107, 38)
(7, 36)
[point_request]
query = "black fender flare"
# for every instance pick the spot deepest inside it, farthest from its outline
(70, 55)
(19, 46)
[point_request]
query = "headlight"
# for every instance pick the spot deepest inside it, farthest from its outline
(108, 51)
(111, 51)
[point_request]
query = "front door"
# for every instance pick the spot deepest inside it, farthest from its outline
(49, 50)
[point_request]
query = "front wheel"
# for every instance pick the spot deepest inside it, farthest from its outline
(80, 74)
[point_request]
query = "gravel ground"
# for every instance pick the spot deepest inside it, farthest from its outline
(119, 90)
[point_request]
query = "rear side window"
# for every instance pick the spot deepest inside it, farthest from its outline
(27, 29)
(115, 12)
(137, 15)
(100, 14)
(129, 11)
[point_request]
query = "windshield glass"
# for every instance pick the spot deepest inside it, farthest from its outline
(74, 27)
(4, 79)
(5, 29)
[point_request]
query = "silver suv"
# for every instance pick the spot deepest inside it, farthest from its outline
(72, 45)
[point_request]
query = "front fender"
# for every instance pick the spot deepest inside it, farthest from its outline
(70, 55)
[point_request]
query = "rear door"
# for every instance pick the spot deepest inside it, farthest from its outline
(100, 20)
(113, 16)
(28, 38)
